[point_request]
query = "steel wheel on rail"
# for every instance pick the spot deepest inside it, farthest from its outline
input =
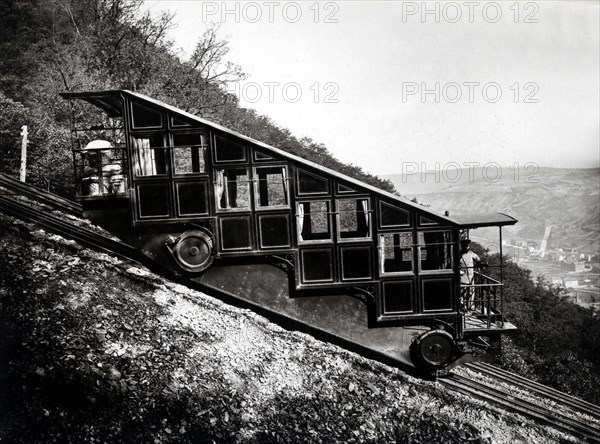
(193, 251)
(433, 350)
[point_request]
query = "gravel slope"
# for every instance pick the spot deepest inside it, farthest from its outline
(97, 350)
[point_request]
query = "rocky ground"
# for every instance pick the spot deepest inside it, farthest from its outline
(96, 350)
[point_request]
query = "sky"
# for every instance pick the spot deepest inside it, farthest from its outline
(392, 86)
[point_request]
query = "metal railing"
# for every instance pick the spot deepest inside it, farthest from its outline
(483, 299)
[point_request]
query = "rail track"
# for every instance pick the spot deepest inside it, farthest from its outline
(471, 387)
(537, 389)
(39, 195)
(507, 401)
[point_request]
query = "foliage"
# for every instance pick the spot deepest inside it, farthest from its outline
(79, 45)
(557, 341)
(13, 115)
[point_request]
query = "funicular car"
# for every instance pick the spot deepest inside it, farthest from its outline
(214, 205)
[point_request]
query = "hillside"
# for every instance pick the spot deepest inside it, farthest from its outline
(566, 199)
(101, 351)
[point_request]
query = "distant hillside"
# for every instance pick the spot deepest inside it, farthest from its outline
(567, 199)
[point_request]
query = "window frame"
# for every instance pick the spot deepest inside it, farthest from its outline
(256, 186)
(138, 200)
(136, 161)
(384, 294)
(418, 246)
(256, 157)
(217, 194)
(223, 237)
(451, 296)
(302, 267)
(259, 219)
(300, 193)
(146, 128)
(206, 197)
(348, 248)
(204, 148)
(380, 223)
(368, 212)
(299, 226)
(214, 151)
(381, 247)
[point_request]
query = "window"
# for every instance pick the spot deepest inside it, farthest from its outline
(271, 188)
(395, 252)
(153, 200)
(232, 189)
(262, 157)
(435, 250)
(425, 221)
(353, 218)
(189, 153)
(316, 265)
(101, 172)
(311, 184)
(437, 294)
(274, 230)
(398, 297)
(178, 123)
(356, 263)
(192, 198)
(229, 151)
(391, 216)
(235, 233)
(343, 189)
(144, 117)
(149, 155)
(314, 221)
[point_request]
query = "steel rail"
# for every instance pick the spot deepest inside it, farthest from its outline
(557, 396)
(528, 409)
(53, 200)
(104, 244)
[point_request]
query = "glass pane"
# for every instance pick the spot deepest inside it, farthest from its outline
(261, 156)
(316, 266)
(144, 117)
(437, 294)
(353, 217)
(311, 184)
(229, 151)
(436, 250)
(398, 297)
(175, 122)
(193, 198)
(235, 233)
(313, 220)
(356, 263)
(396, 252)
(392, 216)
(424, 221)
(271, 187)
(153, 200)
(343, 189)
(189, 154)
(274, 231)
(232, 188)
(149, 155)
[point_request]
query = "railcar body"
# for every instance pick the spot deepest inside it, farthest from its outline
(215, 205)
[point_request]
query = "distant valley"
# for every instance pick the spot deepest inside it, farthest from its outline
(568, 200)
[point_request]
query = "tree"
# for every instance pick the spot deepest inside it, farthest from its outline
(556, 340)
